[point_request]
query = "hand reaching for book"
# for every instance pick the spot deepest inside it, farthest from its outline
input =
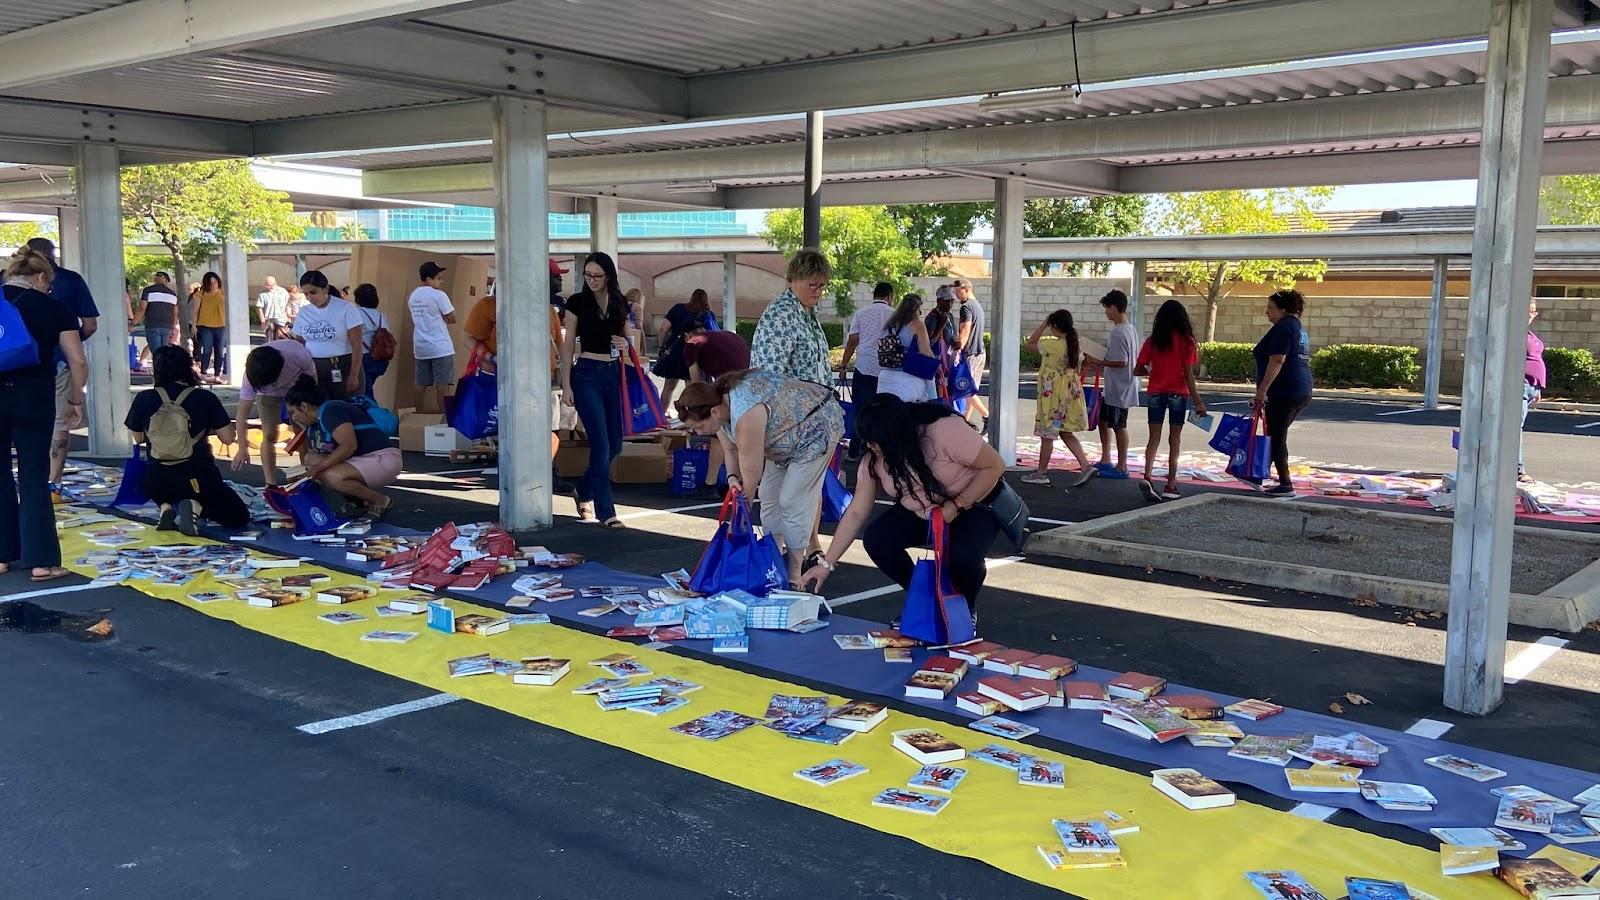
(811, 580)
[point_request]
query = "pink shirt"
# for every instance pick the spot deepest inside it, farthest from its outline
(296, 362)
(951, 447)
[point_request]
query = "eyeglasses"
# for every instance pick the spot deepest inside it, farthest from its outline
(594, 276)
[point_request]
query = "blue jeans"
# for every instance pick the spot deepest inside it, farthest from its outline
(597, 394)
(371, 369)
(211, 348)
(1175, 406)
(1530, 396)
(157, 336)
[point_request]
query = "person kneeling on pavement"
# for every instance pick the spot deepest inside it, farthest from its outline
(345, 450)
(175, 420)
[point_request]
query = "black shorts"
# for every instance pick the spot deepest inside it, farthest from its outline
(1113, 416)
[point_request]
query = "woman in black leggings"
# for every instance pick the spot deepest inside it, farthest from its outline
(926, 458)
(1283, 378)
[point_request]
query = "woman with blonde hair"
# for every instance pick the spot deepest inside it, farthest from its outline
(32, 326)
(789, 338)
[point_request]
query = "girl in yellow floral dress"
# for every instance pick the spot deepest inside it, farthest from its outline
(1060, 409)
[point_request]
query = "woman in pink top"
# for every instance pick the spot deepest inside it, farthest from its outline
(949, 465)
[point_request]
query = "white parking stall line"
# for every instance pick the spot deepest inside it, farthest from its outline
(1536, 655)
(1588, 425)
(848, 599)
(46, 592)
(1404, 412)
(377, 715)
(1229, 403)
(676, 509)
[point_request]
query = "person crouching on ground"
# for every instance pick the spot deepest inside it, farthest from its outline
(355, 457)
(777, 434)
(1060, 409)
(924, 457)
(181, 475)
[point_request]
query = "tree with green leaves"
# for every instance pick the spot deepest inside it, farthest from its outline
(934, 229)
(15, 234)
(1113, 216)
(1272, 211)
(1571, 199)
(192, 209)
(862, 242)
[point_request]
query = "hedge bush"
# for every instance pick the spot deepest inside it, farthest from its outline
(1569, 371)
(1222, 361)
(1366, 365)
(834, 331)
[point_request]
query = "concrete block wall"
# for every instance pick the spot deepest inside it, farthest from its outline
(1040, 297)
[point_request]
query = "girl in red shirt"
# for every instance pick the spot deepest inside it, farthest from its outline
(1170, 358)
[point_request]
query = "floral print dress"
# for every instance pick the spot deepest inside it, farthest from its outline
(1061, 407)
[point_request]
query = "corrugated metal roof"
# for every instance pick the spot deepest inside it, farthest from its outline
(231, 87)
(1417, 218)
(718, 35)
(15, 15)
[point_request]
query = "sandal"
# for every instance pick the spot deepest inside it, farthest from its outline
(376, 513)
(51, 573)
(614, 522)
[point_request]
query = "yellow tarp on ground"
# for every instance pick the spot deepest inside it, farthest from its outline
(1195, 855)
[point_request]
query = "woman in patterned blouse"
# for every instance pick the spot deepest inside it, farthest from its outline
(777, 435)
(789, 339)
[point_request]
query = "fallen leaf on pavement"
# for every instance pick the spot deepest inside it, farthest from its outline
(101, 628)
(1336, 709)
(1365, 600)
(1357, 699)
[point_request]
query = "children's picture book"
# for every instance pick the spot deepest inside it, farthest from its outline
(999, 726)
(830, 772)
(1373, 889)
(824, 734)
(1036, 772)
(625, 668)
(1524, 815)
(716, 726)
(1085, 836)
(996, 755)
(600, 684)
(1543, 879)
(788, 705)
(1534, 795)
(911, 801)
(208, 597)
(1464, 767)
(1283, 885)
(1261, 748)
(661, 705)
(342, 618)
(938, 778)
(853, 641)
(389, 637)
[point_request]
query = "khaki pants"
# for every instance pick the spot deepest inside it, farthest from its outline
(791, 496)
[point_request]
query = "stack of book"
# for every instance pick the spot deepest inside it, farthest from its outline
(936, 677)
(1135, 686)
(1191, 789)
(1254, 710)
(1398, 796)
(1146, 720)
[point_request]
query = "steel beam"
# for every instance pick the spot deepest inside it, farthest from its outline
(69, 243)
(1136, 297)
(100, 224)
(147, 31)
(1441, 281)
(603, 226)
(811, 205)
(1192, 40)
(1491, 390)
(1005, 312)
(1372, 243)
(730, 291)
(67, 124)
(443, 123)
(522, 298)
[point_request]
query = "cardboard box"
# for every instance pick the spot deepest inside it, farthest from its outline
(440, 440)
(641, 462)
(413, 426)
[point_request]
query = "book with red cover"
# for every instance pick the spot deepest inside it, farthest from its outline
(432, 581)
(976, 652)
(1085, 694)
(1005, 661)
(946, 664)
(1190, 706)
(1047, 667)
(404, 557)
(1135, 686)
(1017, 693)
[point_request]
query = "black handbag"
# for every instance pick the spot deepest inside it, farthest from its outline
(1011, 511)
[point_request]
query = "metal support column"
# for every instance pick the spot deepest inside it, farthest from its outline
(236, 287)
(299, 266)
(813, 200)
(730, 291)
(1491, 390)
(522, 291)
(1430, 390)
(69, 245)
(603, 226)
(99, 180)
(1136, 314)
(1005, 318)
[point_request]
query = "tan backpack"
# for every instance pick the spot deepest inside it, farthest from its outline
(168, 435)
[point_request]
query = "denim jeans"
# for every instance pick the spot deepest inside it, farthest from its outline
(597, 394)
(211, 349)
(371, 369)
(1174, 406)
(157, 336)
(1530, 396)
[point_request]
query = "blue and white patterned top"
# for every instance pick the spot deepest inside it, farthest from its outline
(789, 340)
(803, 421)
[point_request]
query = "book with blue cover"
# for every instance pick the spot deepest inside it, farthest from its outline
(830, 772)
(1085, 836)
(996, 755)
(911, 801)
(661, 616)
(1277, 885)
(734, 643)
(825, 734)
(1373, 889)
(441, 617)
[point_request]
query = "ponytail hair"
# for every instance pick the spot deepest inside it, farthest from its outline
(1061, 320)
(27, 262)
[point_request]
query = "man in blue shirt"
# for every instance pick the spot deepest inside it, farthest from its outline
(73, 292)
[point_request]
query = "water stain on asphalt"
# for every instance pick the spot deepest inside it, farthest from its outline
(27, 617)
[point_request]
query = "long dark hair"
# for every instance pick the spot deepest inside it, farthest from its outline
(305, 390)
(366, 296)
(895, 428)
(314, 279)
(1172, 323)
(1061, 320)
(173, 365)
(616, 306)
(904, 314)
(699, 302)
(208, 279)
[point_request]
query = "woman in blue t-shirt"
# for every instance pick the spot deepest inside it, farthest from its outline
(1283, 378)
(347, 452)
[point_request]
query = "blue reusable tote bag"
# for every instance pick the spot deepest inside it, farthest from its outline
(305, 504)
(689, 469)
(1252, 461)
(131, 491)
(835, 497)
(1231, 431)
(736, 559)
(641, 402)
(934, 612)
